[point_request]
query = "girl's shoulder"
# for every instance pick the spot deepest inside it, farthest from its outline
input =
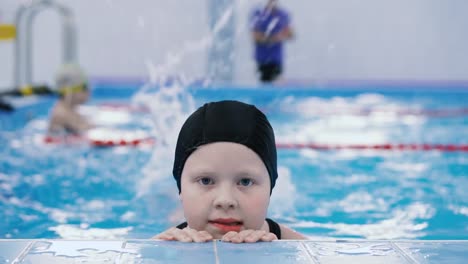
(289, 233)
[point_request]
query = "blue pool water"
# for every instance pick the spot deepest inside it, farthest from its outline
(79, 191)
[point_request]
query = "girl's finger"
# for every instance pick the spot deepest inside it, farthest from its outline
(255, 236)
(207, 235)
(181, 235)
(164, 236)
(228, 236)
(240, 237)
(269, 237)
(195, 235)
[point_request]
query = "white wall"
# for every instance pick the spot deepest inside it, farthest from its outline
(374, 39)
(336, 39)
(119, 38)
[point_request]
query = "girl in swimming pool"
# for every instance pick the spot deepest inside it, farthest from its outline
(225, 169)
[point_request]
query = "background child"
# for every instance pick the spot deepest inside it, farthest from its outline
(225, 169)
(72, 86)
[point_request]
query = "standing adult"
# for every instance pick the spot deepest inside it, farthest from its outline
(270, 27)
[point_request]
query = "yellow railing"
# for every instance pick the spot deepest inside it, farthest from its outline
(7, 31)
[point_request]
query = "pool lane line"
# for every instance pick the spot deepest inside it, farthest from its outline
(431, 113)
(382, 147)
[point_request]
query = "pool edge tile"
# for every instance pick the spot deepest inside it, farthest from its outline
(310, 254)
(403, 253)
(24, 252)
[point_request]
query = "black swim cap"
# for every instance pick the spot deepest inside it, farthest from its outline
(227, 121)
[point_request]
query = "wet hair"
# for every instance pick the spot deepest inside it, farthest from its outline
(227, 121)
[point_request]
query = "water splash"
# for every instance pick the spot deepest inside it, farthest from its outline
(169, 101)
(73, 249)
(401, 225)
(284, 194)
(83, 232)
(169, 107)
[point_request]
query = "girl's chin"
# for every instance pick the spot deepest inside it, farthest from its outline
(217, 236)
(215, 233)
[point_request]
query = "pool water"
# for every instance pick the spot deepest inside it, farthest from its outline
(79, 191)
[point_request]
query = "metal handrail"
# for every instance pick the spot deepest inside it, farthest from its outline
(23, 48)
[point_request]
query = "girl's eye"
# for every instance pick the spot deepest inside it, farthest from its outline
(246, 182)
(206, 181)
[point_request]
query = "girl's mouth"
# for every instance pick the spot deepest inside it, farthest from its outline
(227, 225)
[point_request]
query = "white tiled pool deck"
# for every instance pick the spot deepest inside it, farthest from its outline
(152, 251)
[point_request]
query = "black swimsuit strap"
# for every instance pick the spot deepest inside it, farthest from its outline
(182, 226)
(274, 227)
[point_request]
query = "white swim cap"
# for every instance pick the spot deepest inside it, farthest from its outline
(70, 75)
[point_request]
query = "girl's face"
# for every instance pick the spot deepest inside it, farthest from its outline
(224, 187)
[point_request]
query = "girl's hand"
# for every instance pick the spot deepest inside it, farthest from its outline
(248, 236)
(184, 235)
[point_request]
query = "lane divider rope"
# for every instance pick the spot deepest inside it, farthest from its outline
(384, 147)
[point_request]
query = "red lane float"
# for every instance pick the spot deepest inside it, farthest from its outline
(383, 147)
(389, 147)
(69, 139)
(121, 142)
(98, 142)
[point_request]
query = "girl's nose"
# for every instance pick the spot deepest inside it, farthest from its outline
(225, 200)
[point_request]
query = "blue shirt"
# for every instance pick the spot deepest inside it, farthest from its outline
(269, 23)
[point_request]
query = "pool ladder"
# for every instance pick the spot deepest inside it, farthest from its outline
(24, 19)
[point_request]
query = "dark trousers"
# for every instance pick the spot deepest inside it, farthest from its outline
(269, 71)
